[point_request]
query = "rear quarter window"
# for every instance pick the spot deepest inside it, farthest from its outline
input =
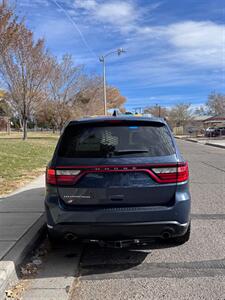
(117, 140)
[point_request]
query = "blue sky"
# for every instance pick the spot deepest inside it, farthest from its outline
(175, 48)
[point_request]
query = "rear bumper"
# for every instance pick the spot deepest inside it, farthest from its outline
(119, 230)
(116, 222)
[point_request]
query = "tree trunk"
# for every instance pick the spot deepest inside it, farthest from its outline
(9, 127)
(24, 129)
(21, 124)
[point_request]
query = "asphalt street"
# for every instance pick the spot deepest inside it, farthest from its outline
(195, 270)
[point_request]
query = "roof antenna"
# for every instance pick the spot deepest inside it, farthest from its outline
(114, 113)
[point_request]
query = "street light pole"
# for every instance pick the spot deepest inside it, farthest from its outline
(159, 109)
(102, 59)
(104, 87)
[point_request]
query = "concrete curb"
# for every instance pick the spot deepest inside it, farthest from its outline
(215, 145)
(191, 140)
(15, 255)
(199, 142)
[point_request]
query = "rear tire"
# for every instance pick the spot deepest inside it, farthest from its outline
(180, 240)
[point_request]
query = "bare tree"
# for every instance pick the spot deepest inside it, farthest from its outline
(157, 111)
(115, 99)
(45, 115)
(8, 27)
(180, 115)
(73, 94)
(90, 99)
(65, 83)
(25, 68)
(216, 104)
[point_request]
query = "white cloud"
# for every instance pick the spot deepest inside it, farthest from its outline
(116, 12)
(192, 34)
(198, 42)
(120, 15)
(85, 4)
(179, 54)
(189, 42)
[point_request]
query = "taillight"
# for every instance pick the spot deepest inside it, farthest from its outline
(171, 174)
(182, 172)
(50, 176)
(67, 177)
(166, 174)
(61, 177)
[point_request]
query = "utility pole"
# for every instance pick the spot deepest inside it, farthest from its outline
(159, 109)
(102, 59)
(104, 85)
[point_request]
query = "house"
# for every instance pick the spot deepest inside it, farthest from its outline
(215, 121)
(195, 126)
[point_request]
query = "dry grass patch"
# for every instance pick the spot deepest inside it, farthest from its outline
(21, 161)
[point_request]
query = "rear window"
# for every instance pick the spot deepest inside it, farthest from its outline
(117, 140)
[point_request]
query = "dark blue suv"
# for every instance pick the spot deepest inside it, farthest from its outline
(117, 178)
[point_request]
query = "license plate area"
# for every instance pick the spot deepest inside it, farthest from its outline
(114, 180)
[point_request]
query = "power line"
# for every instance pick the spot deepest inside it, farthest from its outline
(76, 27)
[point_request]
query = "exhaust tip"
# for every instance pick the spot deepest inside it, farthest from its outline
(70, 236)
(166, 235)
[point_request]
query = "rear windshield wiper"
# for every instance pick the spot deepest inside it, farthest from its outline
(127, 151)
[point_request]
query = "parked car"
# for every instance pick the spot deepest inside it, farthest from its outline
(208, 131)
(117, 178)
(221, 131)
(214, 131)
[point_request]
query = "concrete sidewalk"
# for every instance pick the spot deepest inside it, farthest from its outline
(21, 222)
(208, 142)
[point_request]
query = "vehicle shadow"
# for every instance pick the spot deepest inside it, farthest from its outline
(86, 259)
(97, 259)
(90, 261)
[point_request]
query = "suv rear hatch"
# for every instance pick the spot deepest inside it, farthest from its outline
(115, 163)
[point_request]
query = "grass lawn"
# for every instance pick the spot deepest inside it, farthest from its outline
(21, 161)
